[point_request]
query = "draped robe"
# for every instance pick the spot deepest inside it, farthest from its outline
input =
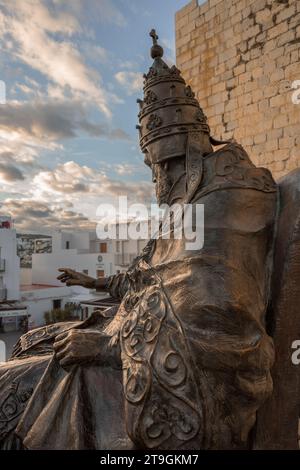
(195, 358)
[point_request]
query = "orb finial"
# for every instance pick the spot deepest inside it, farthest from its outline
(156, 49)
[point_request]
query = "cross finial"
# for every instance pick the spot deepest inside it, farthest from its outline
(156, 50)
(154, 36)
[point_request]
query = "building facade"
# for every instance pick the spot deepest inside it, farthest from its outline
(40, 298)
(81, 251)
(12, 313)
(30, 292)
(126, 248)
(9, 261)
(27, 244)
(242, 59)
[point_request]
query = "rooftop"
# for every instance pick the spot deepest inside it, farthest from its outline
(7, 306)
(26, 287)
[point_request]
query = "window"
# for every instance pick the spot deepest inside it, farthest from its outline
(67, 245)
(56, 303)
(100, 273)
(103, 247)
(118, 247)
(85, 271)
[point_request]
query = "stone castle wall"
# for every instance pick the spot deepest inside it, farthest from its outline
(242, 57)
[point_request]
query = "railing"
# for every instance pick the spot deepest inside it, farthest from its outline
(2, 265)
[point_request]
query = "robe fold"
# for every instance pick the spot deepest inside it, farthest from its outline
(195, 354)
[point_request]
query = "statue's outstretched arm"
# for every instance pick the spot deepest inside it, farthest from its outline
(118, 284)
(74, 278)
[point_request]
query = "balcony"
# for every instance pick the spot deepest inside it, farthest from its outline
(3, 294)
(2, 265)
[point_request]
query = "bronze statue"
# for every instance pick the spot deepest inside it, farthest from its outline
(184, 362)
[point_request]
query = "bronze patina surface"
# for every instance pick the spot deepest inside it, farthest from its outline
(185, 361)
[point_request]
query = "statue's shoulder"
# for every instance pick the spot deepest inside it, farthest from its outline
(231, 167)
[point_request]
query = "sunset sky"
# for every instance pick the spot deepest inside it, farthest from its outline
(73, 70)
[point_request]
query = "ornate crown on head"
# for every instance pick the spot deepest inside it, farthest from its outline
(169, 110)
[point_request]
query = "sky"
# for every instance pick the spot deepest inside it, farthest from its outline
(73, 71)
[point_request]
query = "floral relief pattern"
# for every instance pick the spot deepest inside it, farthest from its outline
(158, 379)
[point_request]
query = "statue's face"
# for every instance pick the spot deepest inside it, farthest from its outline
(165, 175)
(163, 182)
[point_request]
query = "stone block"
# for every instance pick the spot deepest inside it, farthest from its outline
(286, 38)
(263, 16)
(258, 5)
(281, 121)
(186, 9)
(257, 95)
(263, 105)
(239, 69)
(182, 22)
(188, 28)
(286, 13)
(251, 32)
(260, 138)
(277, 101)
(278, 30)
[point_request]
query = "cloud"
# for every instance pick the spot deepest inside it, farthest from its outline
(10, 173)
(125, 168)
(131, 81)
(105, 11)
(40, 121)
(95, 52)
(17, 168)
(119, 134)
(109, 12)
(127, 64)
(24, 88)
(30, 27)
(70, 178)
(34, 215)
(9, 154)
(51, 56)
(68, 196)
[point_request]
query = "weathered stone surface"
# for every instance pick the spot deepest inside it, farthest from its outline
(251, 50)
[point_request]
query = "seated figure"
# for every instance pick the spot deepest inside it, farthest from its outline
(184, 362)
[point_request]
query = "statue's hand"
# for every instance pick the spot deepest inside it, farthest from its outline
(73, 278)
(81, 346)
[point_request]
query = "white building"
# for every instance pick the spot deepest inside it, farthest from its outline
(81, 251)
(29, 243)
(38, 289)
(41, 291)
(125, 250)
(12, 313)
(9, 261)
(39, 299)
